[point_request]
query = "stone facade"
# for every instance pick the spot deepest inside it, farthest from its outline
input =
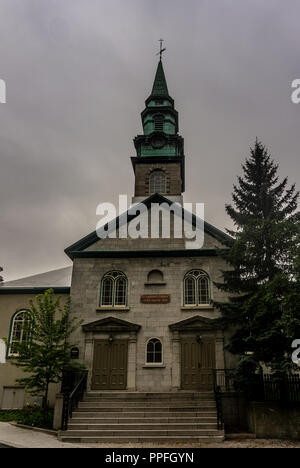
(154, 319)
(173, 178)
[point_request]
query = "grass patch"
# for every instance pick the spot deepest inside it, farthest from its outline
(29, 416)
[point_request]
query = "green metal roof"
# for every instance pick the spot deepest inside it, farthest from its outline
(160, 87)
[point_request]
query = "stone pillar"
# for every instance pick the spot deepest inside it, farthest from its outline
(131, 370)
(176, 361)
(88, 359)
(220, 359)
(58, 409)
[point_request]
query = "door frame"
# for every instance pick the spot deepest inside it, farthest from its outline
(194, 339)
(118, 329)
(192, 326)
(110, 345)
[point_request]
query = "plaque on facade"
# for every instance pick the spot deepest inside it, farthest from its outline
(74, 353)
(155, 298)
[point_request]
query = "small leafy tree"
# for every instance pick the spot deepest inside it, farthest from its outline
(46, 351)
(263, 275)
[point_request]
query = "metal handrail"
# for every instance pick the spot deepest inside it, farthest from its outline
(71, 399)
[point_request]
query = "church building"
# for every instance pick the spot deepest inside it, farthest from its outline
(146, 303)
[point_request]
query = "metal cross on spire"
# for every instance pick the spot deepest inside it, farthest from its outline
(161, 48)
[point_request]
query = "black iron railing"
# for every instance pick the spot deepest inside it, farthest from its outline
(223, 382)
(73, 388)
(285, 390)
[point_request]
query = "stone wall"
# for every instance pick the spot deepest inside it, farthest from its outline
(173, 178)
(154, 319)
(272, 420)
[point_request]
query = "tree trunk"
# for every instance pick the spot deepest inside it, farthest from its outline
(45, 403)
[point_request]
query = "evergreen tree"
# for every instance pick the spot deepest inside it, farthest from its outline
(263, 275)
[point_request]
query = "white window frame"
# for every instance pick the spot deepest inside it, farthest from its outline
(195, 275)
(14, 320)
(114, 275)
(153, 364)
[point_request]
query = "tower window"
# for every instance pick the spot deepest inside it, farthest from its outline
(159, 123)
(157, 182)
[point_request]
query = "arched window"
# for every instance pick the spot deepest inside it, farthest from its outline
(196, 288)
(20, 329)
(114, 289)
(154, 351)
(157, 182)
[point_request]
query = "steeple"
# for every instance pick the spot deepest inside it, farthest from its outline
(160, 88)
(160, 144)
(160, 122)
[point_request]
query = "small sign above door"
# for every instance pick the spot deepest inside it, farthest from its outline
(155, 298)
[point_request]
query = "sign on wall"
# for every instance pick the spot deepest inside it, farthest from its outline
(155, 298)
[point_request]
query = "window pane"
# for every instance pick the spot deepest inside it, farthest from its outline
(120, 292)
(107, 287)
(203, 291)
(150, 357)
(189, 291)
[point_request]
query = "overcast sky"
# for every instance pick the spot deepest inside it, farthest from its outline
(77, 74)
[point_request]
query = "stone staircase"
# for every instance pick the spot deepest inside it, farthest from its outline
(118, 417)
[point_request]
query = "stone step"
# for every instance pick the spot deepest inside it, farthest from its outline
(126, 396)
(142, 432)
(148, 414)
(155, 417)
(156, 440)
(149, 404)
(138, 409)
(141, 426)
(142, 420)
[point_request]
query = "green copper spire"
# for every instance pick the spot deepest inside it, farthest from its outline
(160, 147)
(160, 122)
(160, 88)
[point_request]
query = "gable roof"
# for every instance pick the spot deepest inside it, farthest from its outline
(195, 323)
(58, 280)
(110, 324)
(78, 247)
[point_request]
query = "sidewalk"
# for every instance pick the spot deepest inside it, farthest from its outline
(26, 438)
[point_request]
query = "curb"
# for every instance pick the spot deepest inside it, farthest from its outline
(36, 429)
(10, 445)
(240, 436)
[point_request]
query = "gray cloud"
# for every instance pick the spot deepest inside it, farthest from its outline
(77, 75)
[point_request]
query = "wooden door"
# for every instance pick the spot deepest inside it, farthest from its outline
(110, 365)
(197, 364)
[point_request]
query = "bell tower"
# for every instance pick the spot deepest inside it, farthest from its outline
(159, 161)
